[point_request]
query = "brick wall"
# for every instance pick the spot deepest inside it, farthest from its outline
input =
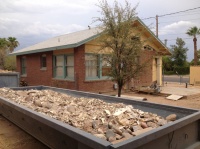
(145, 76)
(80, 83)
(35, 75)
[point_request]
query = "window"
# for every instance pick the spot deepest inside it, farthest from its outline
(69, 64)
(91, 62)
(96, 66)
(64, 66)
(105, 65)
(23, 66)
(43, 62)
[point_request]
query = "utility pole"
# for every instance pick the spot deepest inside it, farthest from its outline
(166, 42)
(157, 25)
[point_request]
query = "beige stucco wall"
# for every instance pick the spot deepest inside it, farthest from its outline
(94, 47)
(194, 75)
(157, 70)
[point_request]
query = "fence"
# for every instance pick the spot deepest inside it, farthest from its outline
(9, 79)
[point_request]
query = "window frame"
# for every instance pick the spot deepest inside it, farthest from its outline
(64, 67)
(42, 67)
(23, 66)
(99, 67)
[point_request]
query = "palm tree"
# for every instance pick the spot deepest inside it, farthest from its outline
(12, 43)
(194, 31)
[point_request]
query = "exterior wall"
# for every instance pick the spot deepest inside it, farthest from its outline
(36, 75)
(194, 75)
(157, 69)
(81, 83)
(145, 77)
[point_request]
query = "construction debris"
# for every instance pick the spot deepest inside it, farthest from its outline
(114, 122)
(174, 97)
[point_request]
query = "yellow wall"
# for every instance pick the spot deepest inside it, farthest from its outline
(157, 70)
(94, 47)
(194, 75)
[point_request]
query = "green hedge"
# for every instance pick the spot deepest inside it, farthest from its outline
(169, 72)
(182, 70)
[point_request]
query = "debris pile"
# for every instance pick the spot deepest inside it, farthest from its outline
(113, 122)
(5, 71)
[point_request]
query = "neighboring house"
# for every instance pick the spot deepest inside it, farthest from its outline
(71, 61)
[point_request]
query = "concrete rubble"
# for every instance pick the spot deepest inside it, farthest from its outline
(114, 122)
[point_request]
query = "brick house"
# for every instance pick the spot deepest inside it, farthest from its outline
(70, 61)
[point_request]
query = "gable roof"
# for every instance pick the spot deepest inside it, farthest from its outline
(70, 40)
(73, 40)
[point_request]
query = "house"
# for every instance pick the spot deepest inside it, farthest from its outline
(70, 61)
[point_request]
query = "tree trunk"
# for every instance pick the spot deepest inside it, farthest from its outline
(119, 89)
(195, 51)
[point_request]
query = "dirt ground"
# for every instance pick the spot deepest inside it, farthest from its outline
(12, 137)
(193, 103)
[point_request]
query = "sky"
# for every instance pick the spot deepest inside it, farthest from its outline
(33, 21)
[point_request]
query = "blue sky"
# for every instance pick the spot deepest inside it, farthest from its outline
(34, 21)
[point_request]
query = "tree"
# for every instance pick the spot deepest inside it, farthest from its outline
(179, 52)
(167, 63)
(3, 48)
(117, 24)
(6, 46)
(194, 31)
(12, 43)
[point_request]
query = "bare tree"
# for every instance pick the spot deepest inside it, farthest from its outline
(120, 37)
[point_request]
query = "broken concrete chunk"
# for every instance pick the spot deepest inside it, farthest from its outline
(136, 133)
(143, 125)
(171, 117)
(114, 122)
(110, 133)
(102, 136)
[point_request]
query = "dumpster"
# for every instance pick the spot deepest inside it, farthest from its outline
(180, 134)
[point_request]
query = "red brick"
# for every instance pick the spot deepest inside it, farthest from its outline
(36, 76)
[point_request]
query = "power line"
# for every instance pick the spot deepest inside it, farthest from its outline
(181, 20)
(178, 12)
(171, 13)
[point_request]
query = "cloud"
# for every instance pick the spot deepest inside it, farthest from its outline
(13, 27)
(45, 6)
(178, 27)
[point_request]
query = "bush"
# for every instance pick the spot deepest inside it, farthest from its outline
(169, 73)
(10, 63)
(182, 70)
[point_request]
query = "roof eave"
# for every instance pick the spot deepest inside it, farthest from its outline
(168, 51)
(57, 47)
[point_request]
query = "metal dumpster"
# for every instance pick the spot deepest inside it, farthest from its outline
(180, 134)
